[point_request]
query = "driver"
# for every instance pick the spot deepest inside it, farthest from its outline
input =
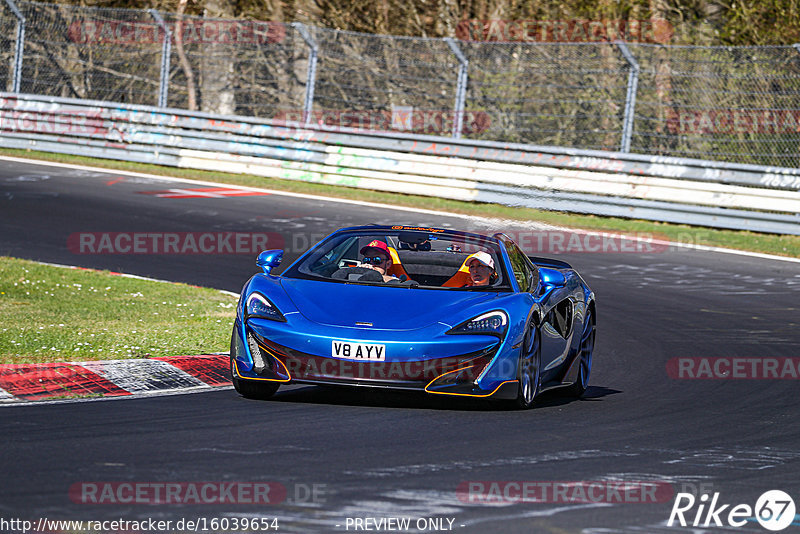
(376, 256)
(481, 270)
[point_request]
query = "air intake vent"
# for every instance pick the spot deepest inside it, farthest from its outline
(258, 359)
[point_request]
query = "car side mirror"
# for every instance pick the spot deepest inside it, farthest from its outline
(552, 278)
(269, 259)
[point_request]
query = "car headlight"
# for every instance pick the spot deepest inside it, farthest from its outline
(493, 323)
(259, 307)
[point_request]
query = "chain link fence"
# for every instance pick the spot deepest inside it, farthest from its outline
(65, 54)
(727, 103)
(549, 94)
(380, 82)
(236, 67)
(739, 104)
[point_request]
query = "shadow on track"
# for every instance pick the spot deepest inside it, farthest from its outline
(558, 397)
(377, 398)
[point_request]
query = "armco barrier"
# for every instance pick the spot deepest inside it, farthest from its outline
(676, 190)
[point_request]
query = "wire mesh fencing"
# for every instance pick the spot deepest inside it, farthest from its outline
(9, 25)
(725, 103)
(739, 104)
(384, 83)
(236, 67)
(549, 94)
(90, 53)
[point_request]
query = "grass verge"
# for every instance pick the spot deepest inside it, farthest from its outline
(782, 245)
(58, 314)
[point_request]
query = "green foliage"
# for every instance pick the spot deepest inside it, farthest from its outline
(761, 22)
(59, 314)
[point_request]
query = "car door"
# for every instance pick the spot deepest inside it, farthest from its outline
(554, 346)
(559, 313)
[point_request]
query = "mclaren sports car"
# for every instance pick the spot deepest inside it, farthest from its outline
(405, 307)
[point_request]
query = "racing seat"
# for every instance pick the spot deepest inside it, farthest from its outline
(462, 277)
(397, 268)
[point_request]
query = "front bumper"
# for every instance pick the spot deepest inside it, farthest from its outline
(260, 358)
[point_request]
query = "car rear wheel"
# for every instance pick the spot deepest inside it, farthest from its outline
(586, 351)
(252, 389)
(529, 369)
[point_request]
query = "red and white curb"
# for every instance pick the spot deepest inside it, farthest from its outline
(70, 381)
(21, 383)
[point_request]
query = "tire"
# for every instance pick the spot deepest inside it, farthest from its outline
(529, 368)
(252, 389)
(586, 351)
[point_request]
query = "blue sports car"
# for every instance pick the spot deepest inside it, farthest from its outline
(428, 309)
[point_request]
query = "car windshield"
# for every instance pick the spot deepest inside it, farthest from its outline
(433, 259)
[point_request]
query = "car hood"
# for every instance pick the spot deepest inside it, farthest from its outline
(387, 308)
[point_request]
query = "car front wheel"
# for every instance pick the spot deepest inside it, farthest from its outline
(529, 369)
(585, 355)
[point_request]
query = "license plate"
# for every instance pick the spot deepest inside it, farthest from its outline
(358, 351)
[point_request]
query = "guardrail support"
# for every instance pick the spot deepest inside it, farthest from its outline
(796, 46)
(166, 53)
(311, 78)
(630, 97)
(461, 87)
(20, 46)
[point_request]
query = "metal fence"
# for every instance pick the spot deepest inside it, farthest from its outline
(739, 104)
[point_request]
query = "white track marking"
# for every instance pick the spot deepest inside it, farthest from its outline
(138, 376)
(156, 393)
(485, 220)
(126, 275)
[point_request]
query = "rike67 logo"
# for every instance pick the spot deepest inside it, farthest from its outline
(774, 510)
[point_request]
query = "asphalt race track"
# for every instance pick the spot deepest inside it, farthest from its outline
(374, 454)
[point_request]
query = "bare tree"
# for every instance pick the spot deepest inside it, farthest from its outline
(217, 80)
(187, 67)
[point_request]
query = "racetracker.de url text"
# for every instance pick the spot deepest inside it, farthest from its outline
(44, 525)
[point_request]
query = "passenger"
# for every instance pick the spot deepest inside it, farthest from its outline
(376, 256)
(481, 270)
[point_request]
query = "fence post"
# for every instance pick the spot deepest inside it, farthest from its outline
(20, 46)
(461, 86)
(166, 53)
(630, 97)
(308, 105)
